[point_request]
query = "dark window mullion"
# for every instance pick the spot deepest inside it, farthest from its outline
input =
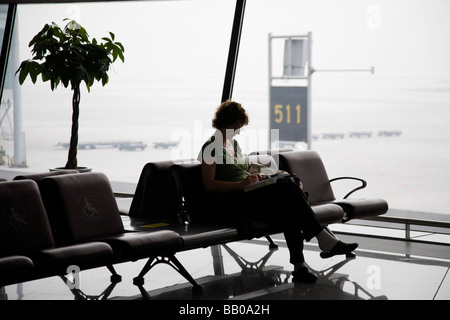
(234, 50)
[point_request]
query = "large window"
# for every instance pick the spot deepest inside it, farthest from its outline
(164, 94)
(409, 93)
(168, 88)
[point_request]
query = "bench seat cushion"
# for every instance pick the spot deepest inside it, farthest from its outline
(55, 261)
(15, 269)
(328, 213)
(208, 238)
(132, 246)
(361, 208)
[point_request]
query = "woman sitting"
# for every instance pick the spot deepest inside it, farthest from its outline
(225, 175)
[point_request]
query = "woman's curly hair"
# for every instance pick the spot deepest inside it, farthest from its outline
(228, 114)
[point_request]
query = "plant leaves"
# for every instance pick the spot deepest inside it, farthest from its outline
(24, 70)
(68, 56)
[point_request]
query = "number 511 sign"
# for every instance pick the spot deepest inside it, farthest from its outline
(288, 112)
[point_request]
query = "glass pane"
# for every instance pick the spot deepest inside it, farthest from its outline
(3, 14)
(165, 93)
(408, 94)
(8, 97)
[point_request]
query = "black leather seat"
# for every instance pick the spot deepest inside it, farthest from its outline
(197, 203)
(15, 269)
(156, 200)
(308, 166)
(41, 175)
(82, 208)
(188, 177)
(25, 231)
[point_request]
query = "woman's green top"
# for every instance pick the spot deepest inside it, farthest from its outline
(228, 168)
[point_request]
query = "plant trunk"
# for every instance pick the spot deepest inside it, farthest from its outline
(72, 162)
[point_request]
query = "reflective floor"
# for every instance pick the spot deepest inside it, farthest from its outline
(249, 270)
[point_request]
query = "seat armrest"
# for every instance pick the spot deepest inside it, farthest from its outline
(362, 186)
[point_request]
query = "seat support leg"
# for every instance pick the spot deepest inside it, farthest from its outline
(139, 280)
(247, 266)
(272, 244)
(174, 263)
(80, 295)
(115, 277)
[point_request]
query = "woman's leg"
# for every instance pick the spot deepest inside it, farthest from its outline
(283, 206)
(298, 210)
(294, 242)
(301, 273)
(295, 210)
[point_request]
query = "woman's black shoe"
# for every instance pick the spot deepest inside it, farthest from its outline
(304, 275)
(339, 248)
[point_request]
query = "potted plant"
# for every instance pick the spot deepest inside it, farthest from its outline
(69, 57)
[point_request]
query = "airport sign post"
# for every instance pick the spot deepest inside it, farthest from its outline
(288, 112)
(290, 105)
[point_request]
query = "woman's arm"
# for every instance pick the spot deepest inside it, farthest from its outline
(212, 185)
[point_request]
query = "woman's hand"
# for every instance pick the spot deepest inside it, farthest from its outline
(252, 178)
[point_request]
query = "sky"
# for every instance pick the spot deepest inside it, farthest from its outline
(396, 36)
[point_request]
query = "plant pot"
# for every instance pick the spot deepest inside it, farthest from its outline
(79, 169)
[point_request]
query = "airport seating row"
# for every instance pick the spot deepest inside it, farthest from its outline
(189, 211)
(52, 221)
(59, 221)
